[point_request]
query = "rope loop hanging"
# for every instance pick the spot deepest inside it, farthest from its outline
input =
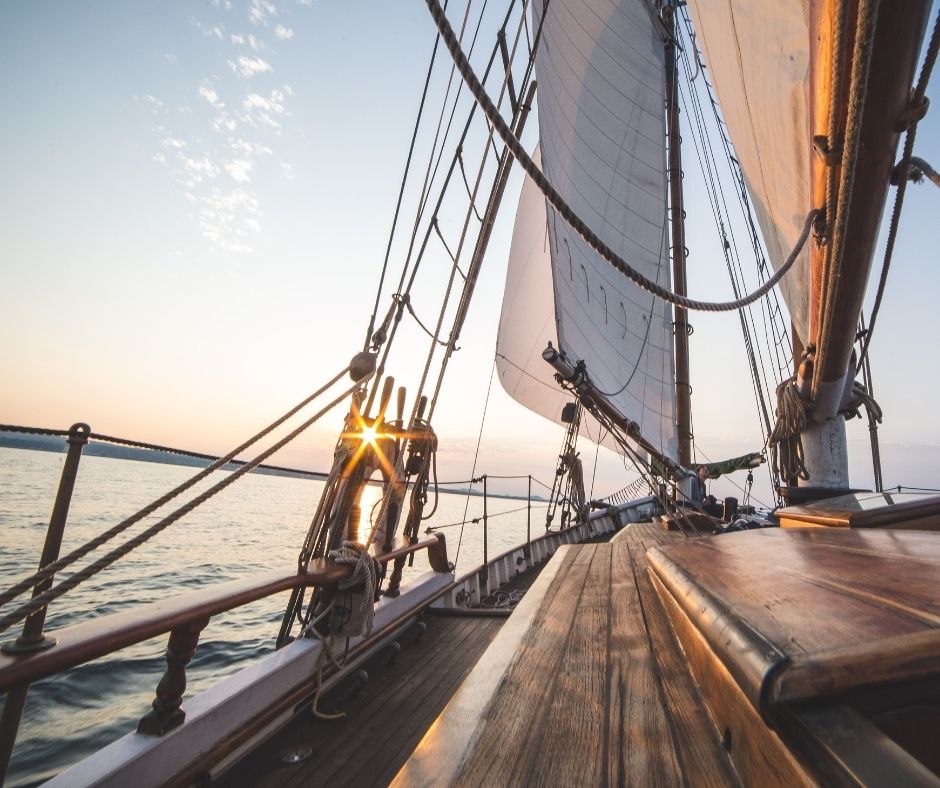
(577, 224)
(785, 438)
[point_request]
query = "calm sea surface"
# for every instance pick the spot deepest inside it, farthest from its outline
(256, 524)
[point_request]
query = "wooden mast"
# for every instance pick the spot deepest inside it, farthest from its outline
(896, 42)
(677, 222)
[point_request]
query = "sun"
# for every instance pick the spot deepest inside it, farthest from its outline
(368, 435)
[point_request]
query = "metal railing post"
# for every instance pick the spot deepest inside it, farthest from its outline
(32, 638)
(486, 569)
(528, 523)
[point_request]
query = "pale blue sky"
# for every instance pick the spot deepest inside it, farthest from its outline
(195, 202)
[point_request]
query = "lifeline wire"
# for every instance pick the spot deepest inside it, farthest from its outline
(51, 569)
(42, 600)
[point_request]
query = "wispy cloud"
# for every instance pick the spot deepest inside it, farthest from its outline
(260, 10)
(200, 168)
(245, 148)
(152, 101)
(209, 94)
(262, 109)
(249, 67)
(224, 217)
(214, 150)
(240, 170)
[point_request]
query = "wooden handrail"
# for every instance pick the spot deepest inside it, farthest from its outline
(89, 640)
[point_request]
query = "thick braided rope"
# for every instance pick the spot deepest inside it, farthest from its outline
(835, 91)
(861, 65)
(920, 169)
(42, 600)
(363, 573)
(577, 224)
(917, 99)
(51, 569)
(791, 421)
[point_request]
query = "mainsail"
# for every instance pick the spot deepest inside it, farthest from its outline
(600, 73)
(758, 57)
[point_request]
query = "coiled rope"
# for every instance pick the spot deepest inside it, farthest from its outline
(785, 438)
(577, 224)
(364, 573)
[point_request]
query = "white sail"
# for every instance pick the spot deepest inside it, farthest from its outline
(600, 74)
(527, 321)
(757, 53)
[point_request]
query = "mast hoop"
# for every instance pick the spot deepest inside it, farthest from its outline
(514, 145)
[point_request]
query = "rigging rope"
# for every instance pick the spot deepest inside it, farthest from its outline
(918, 103)
(861, 65)
(554, 198)
(770, 308)
(919, 169)
(476, 456)
(51, 569)
(401, 192)
(42, 600)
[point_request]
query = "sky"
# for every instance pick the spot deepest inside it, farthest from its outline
(195, 203)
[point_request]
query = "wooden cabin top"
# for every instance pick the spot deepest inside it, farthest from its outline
(797, 614)
(908, 510)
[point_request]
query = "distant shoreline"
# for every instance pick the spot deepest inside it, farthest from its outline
(58, 444)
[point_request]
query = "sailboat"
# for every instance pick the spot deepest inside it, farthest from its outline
(801, 648)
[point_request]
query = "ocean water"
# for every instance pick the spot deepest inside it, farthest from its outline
(256, 524)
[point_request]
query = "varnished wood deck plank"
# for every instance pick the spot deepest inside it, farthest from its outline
(642, 751)
(692, 728)
(506, 751)
(370, 743)
(575, 720)
(390, 698)
(587, 699)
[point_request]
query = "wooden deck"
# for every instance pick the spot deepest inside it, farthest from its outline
(384, 721)
(773, 657)
(586, 685)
